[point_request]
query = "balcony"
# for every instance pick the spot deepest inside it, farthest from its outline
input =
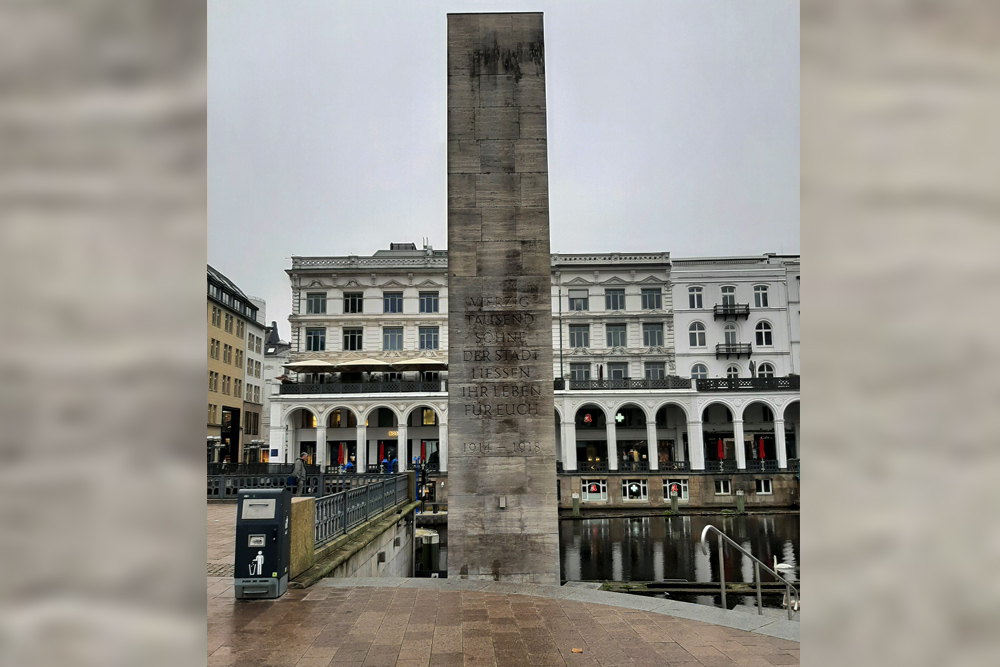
(669, 382)
(675, 466)
(733, 349)
(749, 384)
(402, 386)
(759, 465)
(733, 310)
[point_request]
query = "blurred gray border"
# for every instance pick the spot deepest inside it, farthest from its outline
(900, 558)
(102, 259)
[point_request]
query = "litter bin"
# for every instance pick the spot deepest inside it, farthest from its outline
(262, 542)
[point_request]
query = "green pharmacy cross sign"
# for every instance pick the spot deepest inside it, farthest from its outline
(619, 418)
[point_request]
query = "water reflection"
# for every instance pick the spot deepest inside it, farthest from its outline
(660, 548)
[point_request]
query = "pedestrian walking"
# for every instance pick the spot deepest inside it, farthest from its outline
(299, 473)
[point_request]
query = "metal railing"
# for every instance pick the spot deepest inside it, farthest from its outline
(729, 349)
(668, 382)
(227, 486)
(762, 465)
(720, 466)
(592, 466)
(675, 465)
(633, 466)
(744, 384)
(340, 512)
(401, 386)
(757, 564)
(734, 310)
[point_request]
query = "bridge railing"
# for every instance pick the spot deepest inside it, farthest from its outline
(339, 512)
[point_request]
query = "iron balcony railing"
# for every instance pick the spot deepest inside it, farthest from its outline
(762, 465)
(675, 466)
(227, 486)
(633, 466)
(732, 349)
(669, 382)
(720, 466)
(402, 386)
(339, 512)
(733, 310)
(749, 384)
(592, 466)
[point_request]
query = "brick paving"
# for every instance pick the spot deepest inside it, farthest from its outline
(343, 623)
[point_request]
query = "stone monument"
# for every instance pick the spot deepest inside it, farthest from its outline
(502, 511)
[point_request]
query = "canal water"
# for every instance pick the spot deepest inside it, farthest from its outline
(656, 548)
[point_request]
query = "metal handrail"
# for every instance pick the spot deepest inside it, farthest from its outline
(756, 570)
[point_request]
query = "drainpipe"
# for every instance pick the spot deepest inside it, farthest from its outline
(561, 375)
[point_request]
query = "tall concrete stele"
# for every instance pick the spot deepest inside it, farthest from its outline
(502, 515)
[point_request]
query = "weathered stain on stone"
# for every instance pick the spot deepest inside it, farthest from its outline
(491, 58)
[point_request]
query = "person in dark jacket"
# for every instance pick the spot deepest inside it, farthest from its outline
(299, 473)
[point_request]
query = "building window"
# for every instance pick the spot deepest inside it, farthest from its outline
(763, 330)
(212, 375)
(256, 369)
(616, 334)
(765, 370)
(392, 377)
(308, 419)
(579, 371)
(216, 317)
(212, 413)
(634, 489)
(579, 335)
(760, 296)
(733, 371)
(392, 338)
(592, 490)
(315, 303)
(723, 488)
(239, 358)
(678, 485)
(428, 417)
(392, 302)
(730, 335)
(655, 370)
(652, 299)
(694, 297)
(213, 351)
(315, 340)
(618, 371)
(225, 384)
(728, 295)
(353, 338)
(428, 338)
(249, 366)
(256, 394)
(259, 341)
(240, 328)
(652, 335)
(579, 299)
(696, 334)
(699, 372)
(249, 392)
(229, 323)
(428, 302)
(237, 387)
(354, 302)
(227, 354)
(762, 487)
(614, 299)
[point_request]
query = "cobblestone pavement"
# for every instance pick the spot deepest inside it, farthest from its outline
(369, 623)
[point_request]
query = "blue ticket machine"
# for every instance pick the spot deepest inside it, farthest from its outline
(262, 542)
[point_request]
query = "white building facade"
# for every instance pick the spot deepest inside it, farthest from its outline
(626, 406)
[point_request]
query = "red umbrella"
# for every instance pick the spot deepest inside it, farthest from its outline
(760, 448)
(721, 454)
(381, 452)
(340, 454)
(422, 450)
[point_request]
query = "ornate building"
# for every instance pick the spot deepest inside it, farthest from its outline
(668, 371)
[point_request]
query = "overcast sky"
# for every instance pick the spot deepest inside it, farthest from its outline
(673, 125)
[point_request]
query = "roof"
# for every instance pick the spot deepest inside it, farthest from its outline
(216, 276)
